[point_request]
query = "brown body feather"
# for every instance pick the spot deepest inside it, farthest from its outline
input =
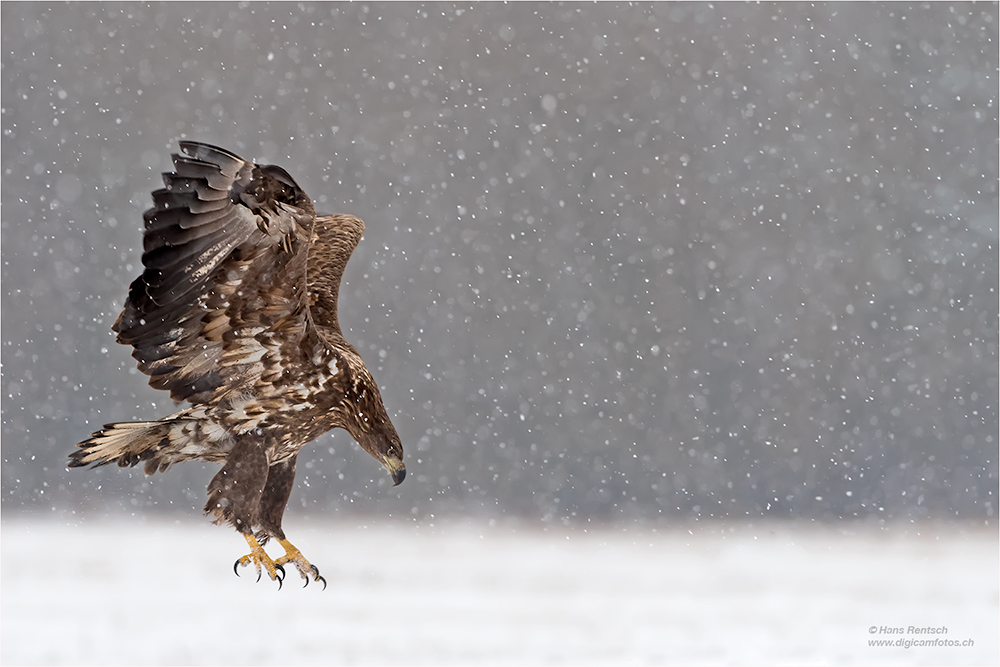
(236, 313)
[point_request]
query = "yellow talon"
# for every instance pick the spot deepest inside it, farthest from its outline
(259, 557)
(294, 556)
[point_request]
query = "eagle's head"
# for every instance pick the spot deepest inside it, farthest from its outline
(363, 415)
(371, 427)
(387, 450)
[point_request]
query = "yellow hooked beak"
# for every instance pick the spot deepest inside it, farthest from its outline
(396, 469)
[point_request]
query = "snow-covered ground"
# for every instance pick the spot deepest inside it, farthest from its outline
(141, 591)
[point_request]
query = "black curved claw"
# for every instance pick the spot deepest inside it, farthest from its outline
(279, 568)
(236, 567)
(258, 574)
(324, 582)
(279, 582)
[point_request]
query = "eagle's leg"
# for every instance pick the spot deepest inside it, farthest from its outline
(235, 494)
(280, 479)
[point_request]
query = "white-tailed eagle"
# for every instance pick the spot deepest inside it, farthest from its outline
(236, 313)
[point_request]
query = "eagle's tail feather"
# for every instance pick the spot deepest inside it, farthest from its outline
(128, 443)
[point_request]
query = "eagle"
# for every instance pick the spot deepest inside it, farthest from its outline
(235, 313)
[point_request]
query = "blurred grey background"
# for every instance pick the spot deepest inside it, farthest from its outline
(660, 261)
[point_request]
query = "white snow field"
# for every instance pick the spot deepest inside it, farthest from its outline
(135, 591)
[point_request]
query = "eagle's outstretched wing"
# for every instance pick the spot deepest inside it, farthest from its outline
(222, 303)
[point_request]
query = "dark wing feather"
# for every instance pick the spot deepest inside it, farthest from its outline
(221, 303)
